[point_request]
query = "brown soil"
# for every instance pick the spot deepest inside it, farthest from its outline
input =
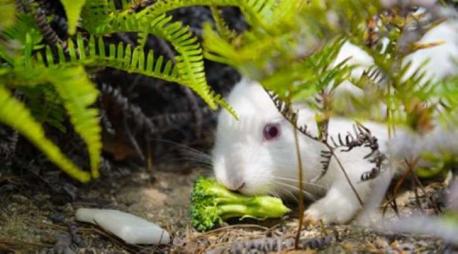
(33, 221)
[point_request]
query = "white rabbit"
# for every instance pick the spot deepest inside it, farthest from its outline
(256, 154)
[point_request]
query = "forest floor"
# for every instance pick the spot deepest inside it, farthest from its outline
(34, 219)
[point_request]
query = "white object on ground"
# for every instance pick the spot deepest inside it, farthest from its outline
(130, 228)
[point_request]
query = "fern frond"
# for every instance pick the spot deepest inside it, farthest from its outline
(73, 11)
(410, 83)
(96, 52)
(220, 100)
(257, 12)
(310, 75)
(14, 114)
(78, 93)
(23, 26)
(95, 13)
(371, 77)
(189, 61)
(286, 11)
(221, 26)
(448, 90)
(256, 55)
(218, 49)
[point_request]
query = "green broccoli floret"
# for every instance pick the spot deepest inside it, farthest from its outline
(212, 203)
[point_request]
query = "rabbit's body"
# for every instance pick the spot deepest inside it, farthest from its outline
(246, 160)
(256, 154)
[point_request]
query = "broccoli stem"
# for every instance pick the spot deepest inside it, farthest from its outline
(256, 207)
(233, 210)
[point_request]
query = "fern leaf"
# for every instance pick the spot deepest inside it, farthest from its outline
(24, 26)
(219, 50)
(257, 12)
(286, 11)
(14, 114)
(101, 18)
(73, 11)
(95, 13)
(7, 18)
(78, 94)
(190, 64)
(189, 61)
(221, 26)
(448, 91)
(120, 56)
(309, 75)
(220, 100)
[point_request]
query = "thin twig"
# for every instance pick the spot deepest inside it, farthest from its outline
(22, 243)
(437, 209)
(347, 177)
(149, 156)
(415, 191)
(391, 201)
(133, 141)
(301, 186)
(398, 185)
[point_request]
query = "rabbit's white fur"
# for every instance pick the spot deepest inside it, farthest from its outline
(244, 160)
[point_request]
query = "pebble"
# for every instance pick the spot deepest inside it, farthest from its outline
(57, 217)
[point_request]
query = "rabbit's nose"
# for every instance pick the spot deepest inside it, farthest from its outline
(233, 182)
(236, 187)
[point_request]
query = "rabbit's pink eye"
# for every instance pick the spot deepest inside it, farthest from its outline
(271, 131)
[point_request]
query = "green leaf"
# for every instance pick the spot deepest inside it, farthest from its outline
(189, 61)
(14, 114)
(24, 26)
(73, 11)
(78, 94)
(119, 56)
(222, 28)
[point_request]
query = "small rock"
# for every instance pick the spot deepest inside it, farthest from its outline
(57, 217)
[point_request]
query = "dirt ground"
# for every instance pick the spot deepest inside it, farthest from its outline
(35, 220)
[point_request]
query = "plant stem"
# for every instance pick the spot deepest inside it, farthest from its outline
(301, 186)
